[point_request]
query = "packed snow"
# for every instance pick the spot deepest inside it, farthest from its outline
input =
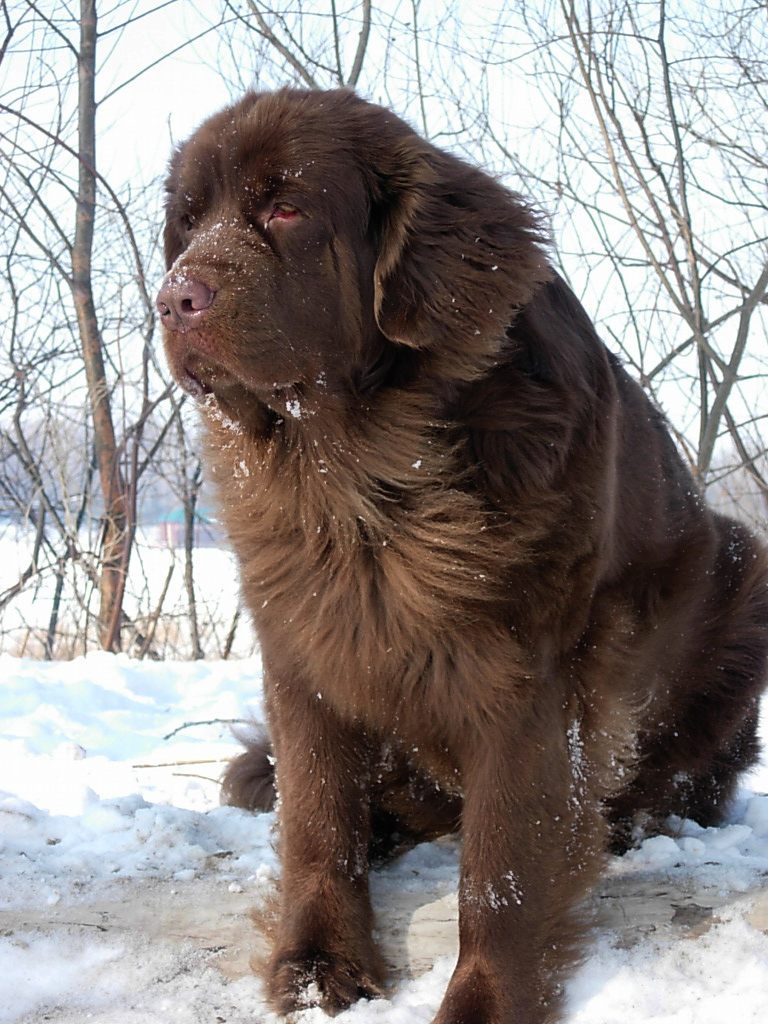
(125, 887)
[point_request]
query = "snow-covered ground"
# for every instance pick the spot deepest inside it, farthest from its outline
(125, 887)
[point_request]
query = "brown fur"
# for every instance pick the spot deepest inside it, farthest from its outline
(486, 589)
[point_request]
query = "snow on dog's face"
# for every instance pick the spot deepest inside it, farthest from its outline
(311, 235)
(267, 288)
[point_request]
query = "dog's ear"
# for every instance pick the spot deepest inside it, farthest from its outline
(173, 245)
(458, 255)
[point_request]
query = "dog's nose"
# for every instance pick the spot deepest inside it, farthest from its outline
(182, 302)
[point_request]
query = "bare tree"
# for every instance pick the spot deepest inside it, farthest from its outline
(640, 128)
(116, 547)
(79, 364)
(655, 144)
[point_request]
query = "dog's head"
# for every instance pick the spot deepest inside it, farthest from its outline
(309, 233)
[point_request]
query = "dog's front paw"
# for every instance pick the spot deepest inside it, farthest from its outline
(476, 995)
(311, 977)
(469, 1000)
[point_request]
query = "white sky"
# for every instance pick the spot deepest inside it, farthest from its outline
(138, 124)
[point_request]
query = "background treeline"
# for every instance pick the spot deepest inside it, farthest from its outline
(639, 128)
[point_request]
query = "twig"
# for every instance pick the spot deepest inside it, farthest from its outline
(362, 45)
(269, 35)
(231, 635)
(190, 775)
(179, 764)
(209, 721)
(150, 634)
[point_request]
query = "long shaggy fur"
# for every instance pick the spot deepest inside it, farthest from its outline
(249, 781)
(487, 591)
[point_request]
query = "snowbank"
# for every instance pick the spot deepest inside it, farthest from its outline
(124, 887)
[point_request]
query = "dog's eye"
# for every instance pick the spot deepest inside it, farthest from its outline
(283, 211)
(187, 221)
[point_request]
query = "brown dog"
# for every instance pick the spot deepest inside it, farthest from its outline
(486, 589)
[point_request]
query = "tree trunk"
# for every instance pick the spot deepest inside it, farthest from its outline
(114, 557)
(190, 510)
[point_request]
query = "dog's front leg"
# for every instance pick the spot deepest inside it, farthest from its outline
(531, 847)
(323, 954)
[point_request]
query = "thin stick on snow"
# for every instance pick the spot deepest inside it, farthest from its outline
(210, 721)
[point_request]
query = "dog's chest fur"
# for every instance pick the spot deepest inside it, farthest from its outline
(364, 569)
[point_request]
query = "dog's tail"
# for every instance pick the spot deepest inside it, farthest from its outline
(249, 781)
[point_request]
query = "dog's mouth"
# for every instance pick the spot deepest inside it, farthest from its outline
(203, 378)
(198, 377)
(194, 385)
(207, 382)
